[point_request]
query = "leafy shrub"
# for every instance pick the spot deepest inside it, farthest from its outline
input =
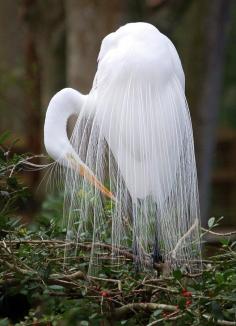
(49, 290)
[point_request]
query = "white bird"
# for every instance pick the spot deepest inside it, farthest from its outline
(134, 134)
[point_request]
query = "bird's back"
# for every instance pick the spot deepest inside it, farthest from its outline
(140, 106)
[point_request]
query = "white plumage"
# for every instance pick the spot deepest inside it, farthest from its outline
(133, 133)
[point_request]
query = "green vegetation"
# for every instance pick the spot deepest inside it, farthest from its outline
(38, 287)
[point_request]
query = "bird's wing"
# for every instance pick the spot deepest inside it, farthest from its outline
(141, 110)
(145, 130)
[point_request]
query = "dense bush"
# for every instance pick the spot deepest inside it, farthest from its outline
(38, 287)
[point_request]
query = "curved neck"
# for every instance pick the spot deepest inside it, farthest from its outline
(63, 105)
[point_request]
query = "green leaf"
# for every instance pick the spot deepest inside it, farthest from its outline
(225, 242)
(84, 291)
(182, 303)
(4, 322)
(211, 222)
(177, 274)
(216, 310)
(56, 287)
(219, 277)
(93, 316)
(233, 244)
(84, 323)
(157, 312)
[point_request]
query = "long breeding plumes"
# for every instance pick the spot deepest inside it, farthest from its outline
(134, 135)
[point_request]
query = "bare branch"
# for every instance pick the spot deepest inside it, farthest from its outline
(173, 254)
(121, 312)
(227, 234)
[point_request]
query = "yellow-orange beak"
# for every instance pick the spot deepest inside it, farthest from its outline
(86, 173)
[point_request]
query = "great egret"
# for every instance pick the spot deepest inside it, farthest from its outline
(134, 134)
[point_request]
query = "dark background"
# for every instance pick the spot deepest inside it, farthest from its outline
(46, 45)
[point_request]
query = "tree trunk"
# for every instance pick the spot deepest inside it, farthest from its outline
(206, 111)
(51, 38)
(32, 86)
(87, 22)
(44, 65)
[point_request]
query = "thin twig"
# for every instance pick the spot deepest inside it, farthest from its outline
(118, 282)
(77, 275)
(23, 161)
(173, 254)
(171, 316)
(16, 268)
(220, 321)
(119, 313)
(227, 234)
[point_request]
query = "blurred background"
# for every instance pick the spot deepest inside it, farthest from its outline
(47, 45)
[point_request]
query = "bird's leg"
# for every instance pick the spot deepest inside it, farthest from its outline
(136, 236)
(137, 262)
(156, 256)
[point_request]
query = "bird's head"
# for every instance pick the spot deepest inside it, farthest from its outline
(139, 50)
(126, 37)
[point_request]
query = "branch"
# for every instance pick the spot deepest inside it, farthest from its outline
(171, 316)
(16, 268)
(227, 234)
(23, 161)
(118, 282)
(220, 321)
(77, 275)
(182, 238)
(121, 312)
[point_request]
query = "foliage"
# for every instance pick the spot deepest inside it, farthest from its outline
(39, 287)
(58, 293)
(12, 192)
